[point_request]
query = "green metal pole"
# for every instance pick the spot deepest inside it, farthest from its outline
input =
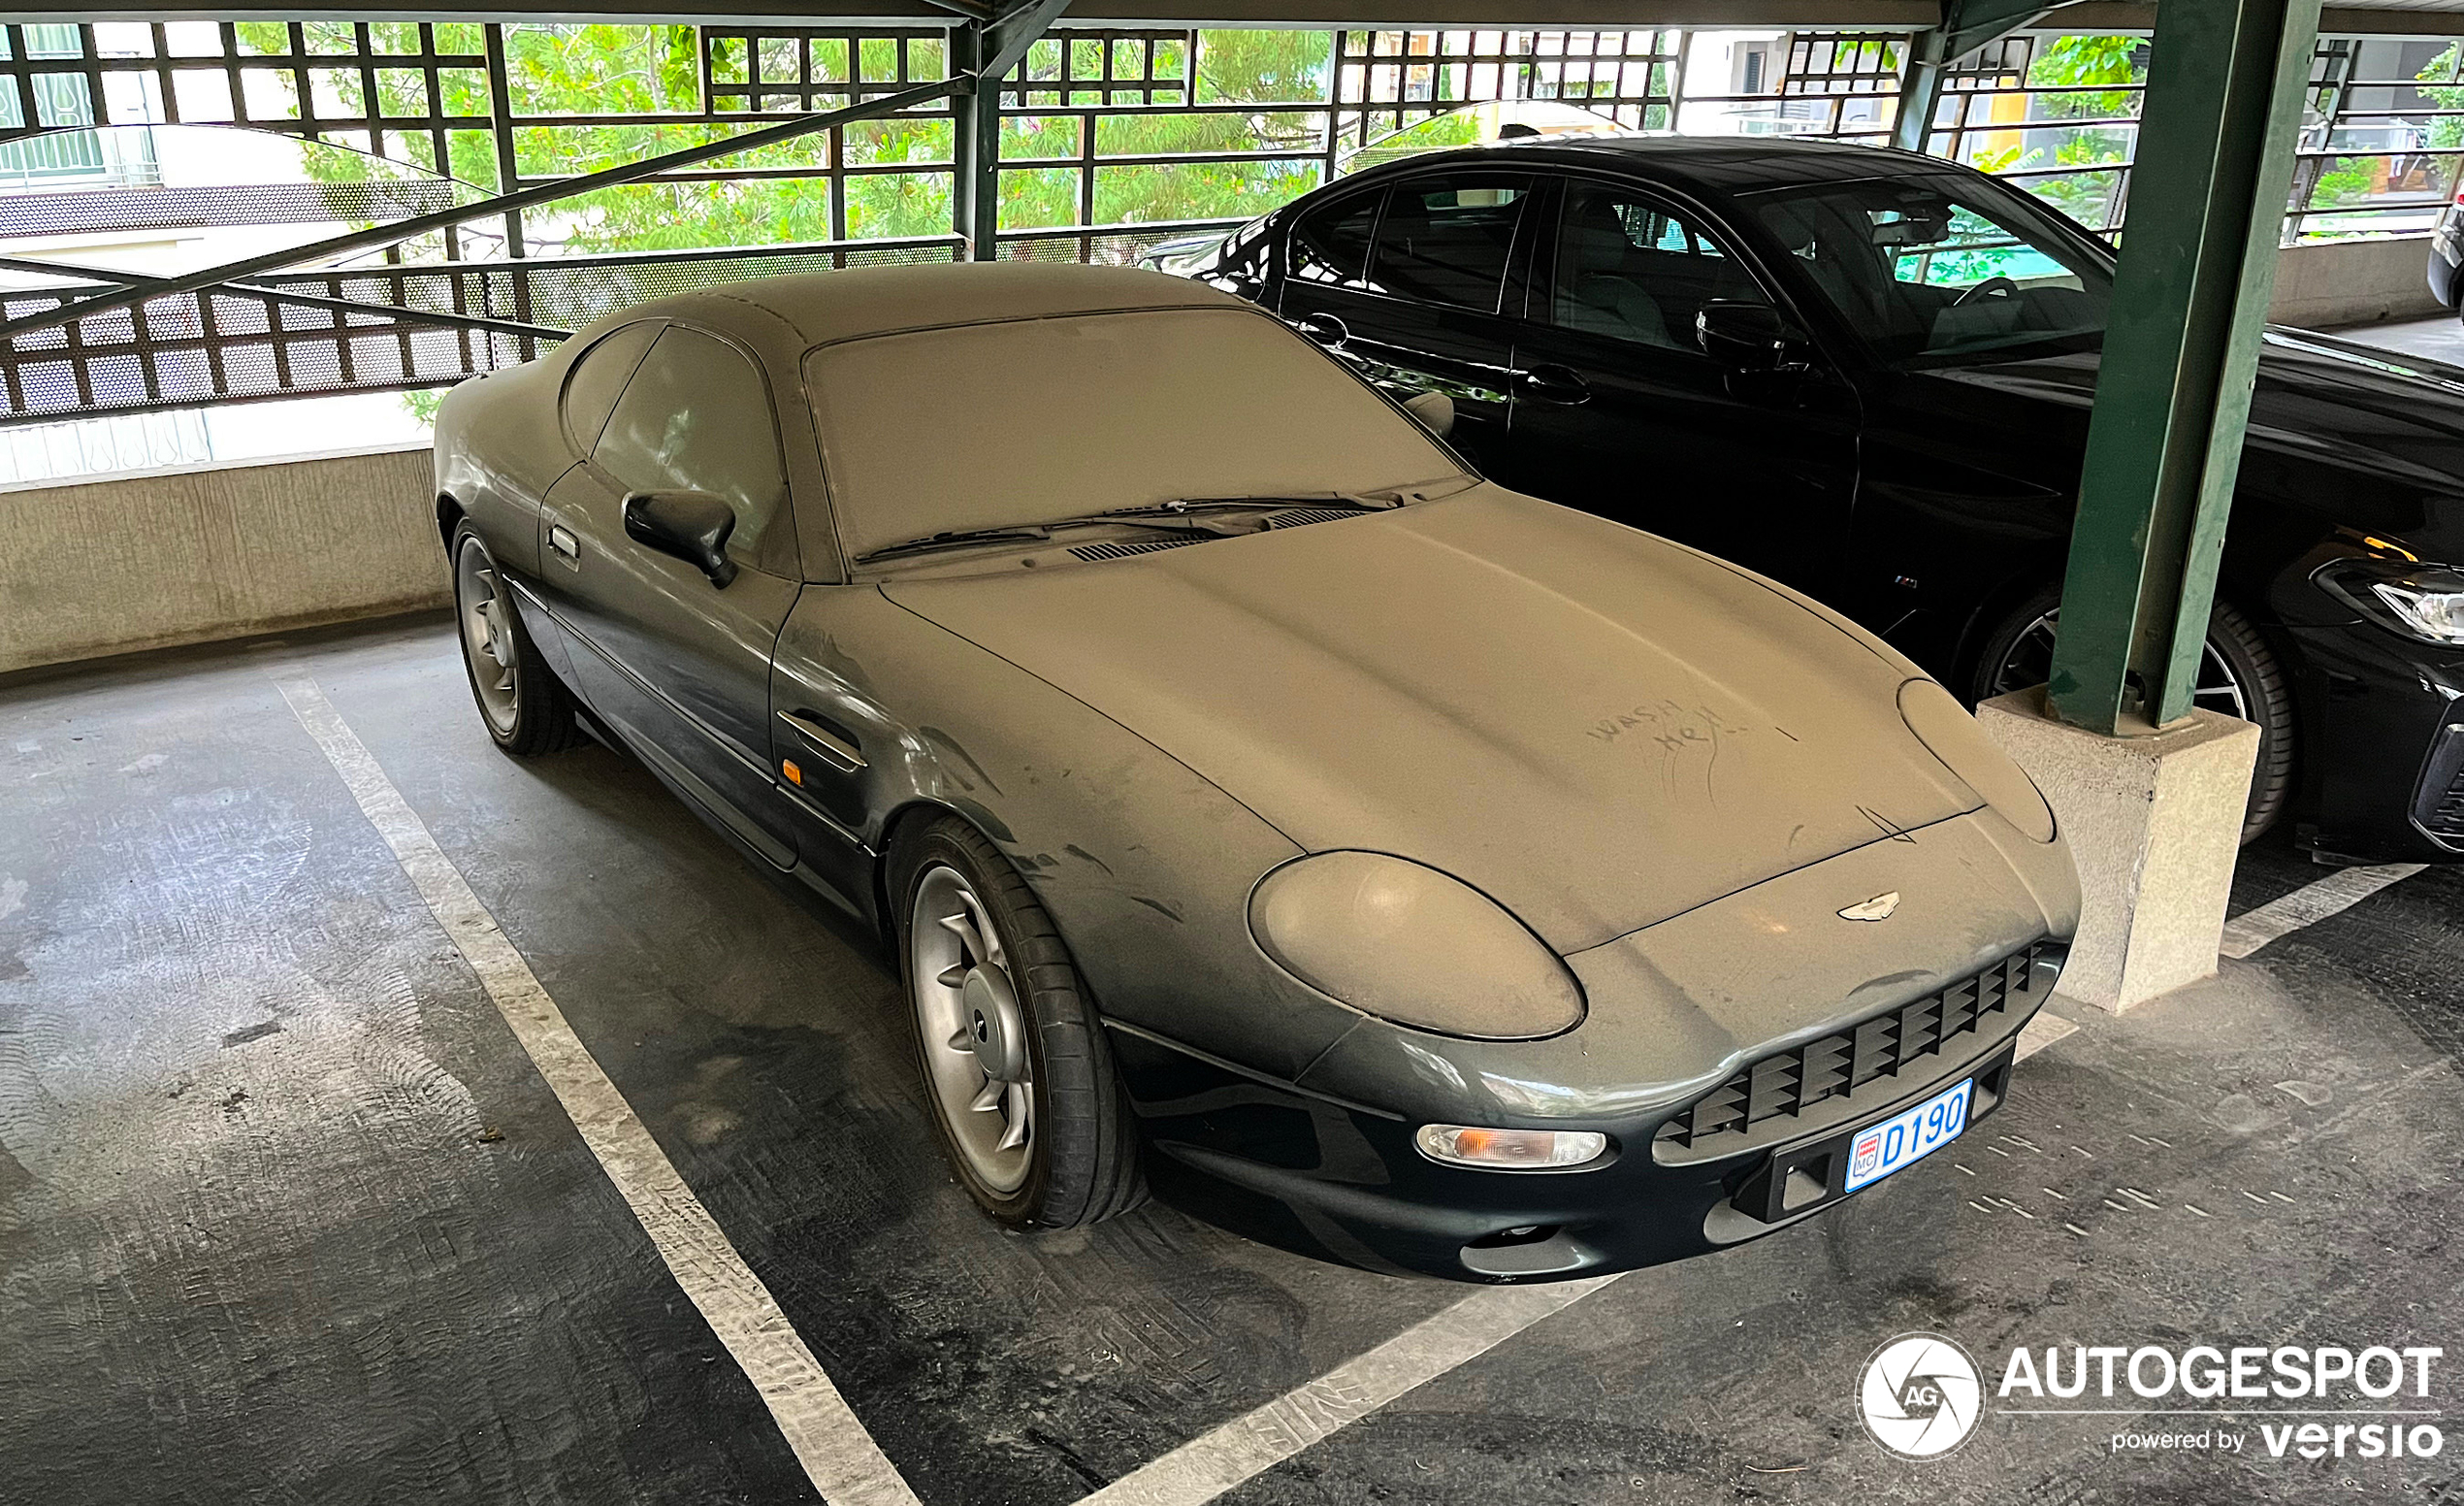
(1966, 25)
(2198, 261)
(975, 198)
(1921, 88)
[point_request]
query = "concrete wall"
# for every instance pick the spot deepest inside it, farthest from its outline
(2352, 283)
(187, 554)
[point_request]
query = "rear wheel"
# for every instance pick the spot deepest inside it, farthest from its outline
(524, 706)
(2238, 676)
(1015, 1066)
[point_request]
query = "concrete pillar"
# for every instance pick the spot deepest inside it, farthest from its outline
(2154, 823)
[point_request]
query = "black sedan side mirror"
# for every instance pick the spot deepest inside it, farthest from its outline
(691, 526)
(1749, 337)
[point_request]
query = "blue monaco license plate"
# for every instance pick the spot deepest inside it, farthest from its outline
(1879, 1150)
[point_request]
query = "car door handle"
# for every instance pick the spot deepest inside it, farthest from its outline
(842, 754)
(1553, 384)
(561, 540)
(1325, 329)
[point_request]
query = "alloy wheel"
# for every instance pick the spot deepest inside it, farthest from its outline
(2030, 661)
(487, 636)
(973, 1029)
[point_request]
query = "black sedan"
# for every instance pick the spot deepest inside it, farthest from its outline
(1867, 374)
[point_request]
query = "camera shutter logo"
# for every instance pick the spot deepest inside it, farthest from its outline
(1920, 1395)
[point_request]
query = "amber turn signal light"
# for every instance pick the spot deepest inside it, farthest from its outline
(1532, 1150)
(794, 775)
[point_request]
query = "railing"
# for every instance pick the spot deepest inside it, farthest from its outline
(1113, 140)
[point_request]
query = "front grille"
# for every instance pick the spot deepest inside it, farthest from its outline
(2447, 817)
(1842, 1065)
(1115, 551)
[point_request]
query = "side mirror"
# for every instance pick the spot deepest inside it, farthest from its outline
(1434, 409)
(691, 526)
(1749, 337)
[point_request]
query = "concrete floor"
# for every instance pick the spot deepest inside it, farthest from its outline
(286, 1216)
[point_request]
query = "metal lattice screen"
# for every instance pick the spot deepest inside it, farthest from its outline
(1111, 138)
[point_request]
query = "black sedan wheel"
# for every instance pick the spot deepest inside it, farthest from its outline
(525, 708)
(1014, 1065)
(2238, 676)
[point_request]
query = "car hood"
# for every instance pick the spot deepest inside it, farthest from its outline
(1597, 727)
(2365, 412)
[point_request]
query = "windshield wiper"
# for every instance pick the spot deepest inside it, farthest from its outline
(1177, 516)
(1361, 502)
(952, 538)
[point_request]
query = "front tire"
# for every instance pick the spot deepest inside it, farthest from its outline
(527, 710)
(1015, 1069)
(2238, 676)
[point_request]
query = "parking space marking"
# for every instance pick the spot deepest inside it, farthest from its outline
(837, 1454)
(2310, 905)
(1249, 1444)
(1205, 1467)
(2042, 1031)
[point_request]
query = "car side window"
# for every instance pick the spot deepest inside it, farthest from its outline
(697, 417)
(1446, 240)
(592, 387)
(1634, 270)
(1330, 245)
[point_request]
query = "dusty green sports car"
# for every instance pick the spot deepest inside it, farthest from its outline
(1262, 806)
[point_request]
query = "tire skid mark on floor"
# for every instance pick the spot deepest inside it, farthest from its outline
(836, 1451)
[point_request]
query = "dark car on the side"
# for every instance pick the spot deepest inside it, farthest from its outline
(1867, 374)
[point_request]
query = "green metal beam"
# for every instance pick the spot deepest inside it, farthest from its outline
(1966, 25)
(2198, 260)
(989, 49)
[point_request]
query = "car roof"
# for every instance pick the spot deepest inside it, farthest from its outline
(792, 313)
(1717, 164)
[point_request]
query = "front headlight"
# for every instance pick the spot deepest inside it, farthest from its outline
(2419, 601)
(1404, 942)
(1952, 736)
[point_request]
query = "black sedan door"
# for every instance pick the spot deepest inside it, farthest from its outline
(679, 664)
(1407, 283)
(1617, 410)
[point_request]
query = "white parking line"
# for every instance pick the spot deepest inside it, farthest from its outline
(1205, 1467)
(837, 1454)
(2309, 904)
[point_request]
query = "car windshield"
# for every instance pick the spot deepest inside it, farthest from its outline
(1930, 271)
(1035, 422)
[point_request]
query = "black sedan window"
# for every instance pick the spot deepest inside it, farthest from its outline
(1632, 270)
(1331, 244)
(1445, 241)
(1931, 271)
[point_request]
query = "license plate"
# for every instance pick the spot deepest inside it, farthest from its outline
(1881, 1149)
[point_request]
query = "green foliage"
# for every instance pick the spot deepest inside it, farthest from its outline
(2073, 61)
(2446, 132)
(639, 75)
(2344, 180)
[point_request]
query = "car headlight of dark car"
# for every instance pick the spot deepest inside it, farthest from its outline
(2424, 601)
(1408, 943)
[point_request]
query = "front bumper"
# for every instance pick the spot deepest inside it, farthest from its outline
(2381, 745)
(1342, 1182)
